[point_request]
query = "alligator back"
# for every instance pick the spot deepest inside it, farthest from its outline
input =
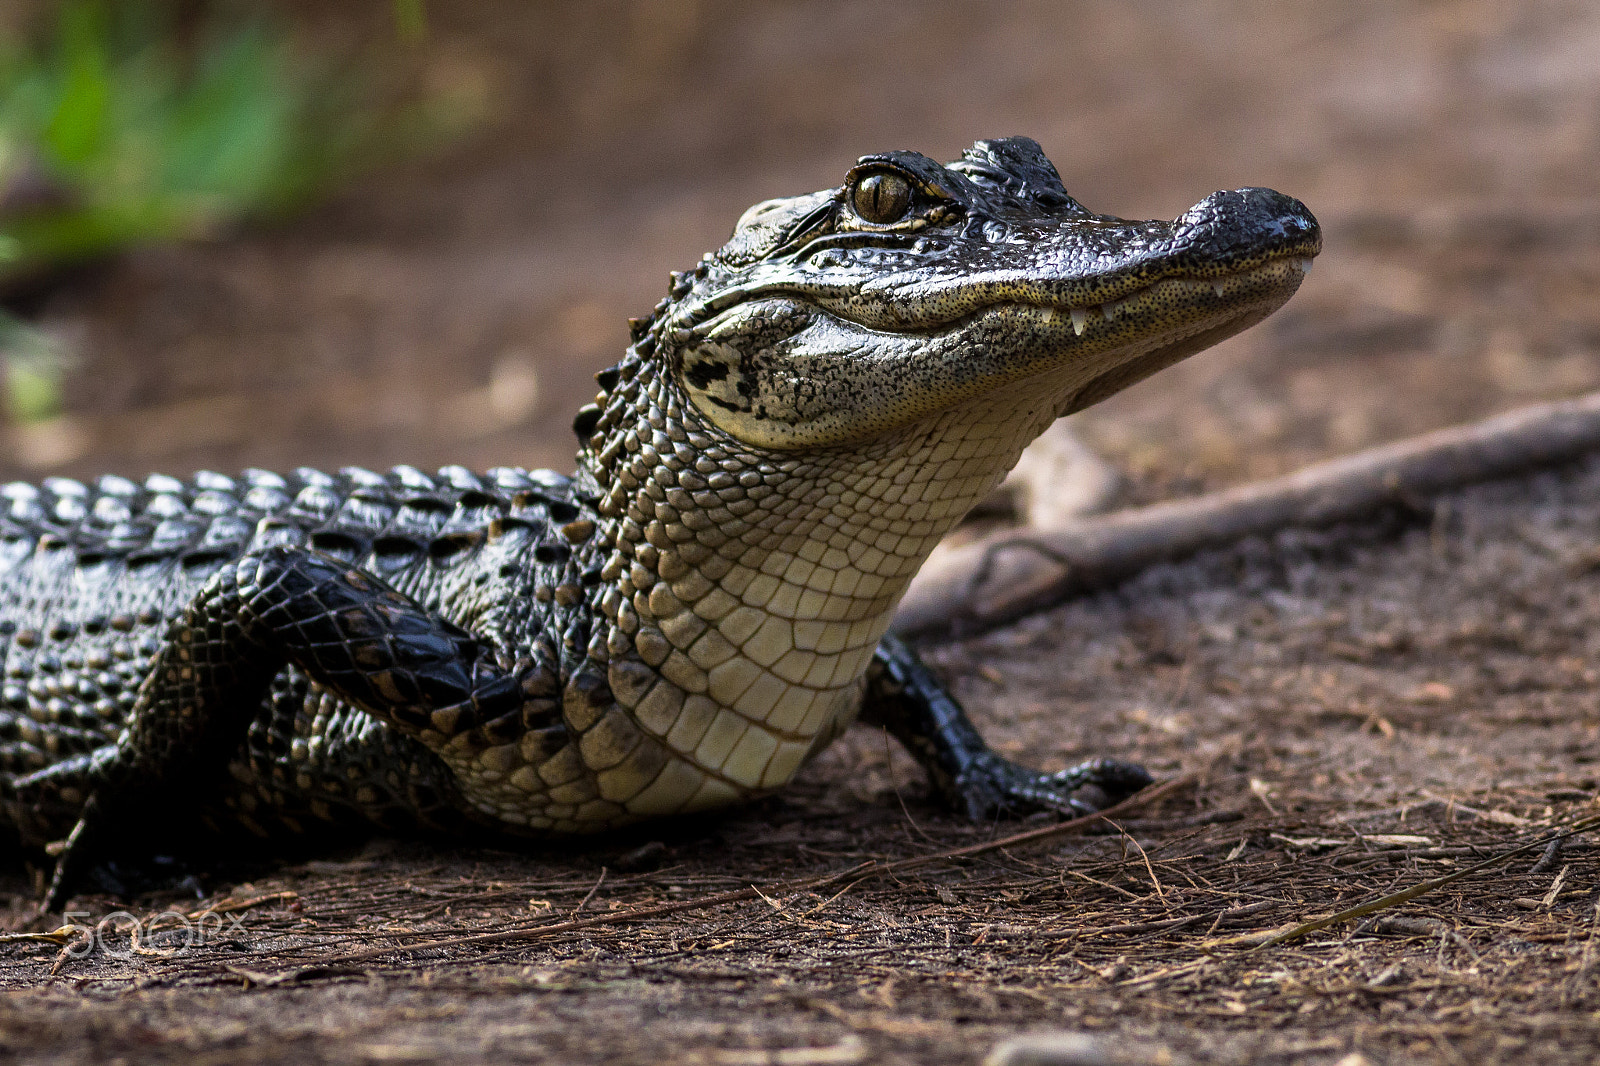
(93, 577)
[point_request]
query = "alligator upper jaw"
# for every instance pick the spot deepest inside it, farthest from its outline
(1081, 266)
(818, 378)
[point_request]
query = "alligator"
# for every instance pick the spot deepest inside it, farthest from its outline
(681, 624)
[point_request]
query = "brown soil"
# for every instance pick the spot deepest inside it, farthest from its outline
(1361, 709)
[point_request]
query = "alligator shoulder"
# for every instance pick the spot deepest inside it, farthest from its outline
(685, 621)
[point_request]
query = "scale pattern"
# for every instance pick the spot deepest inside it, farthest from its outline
(98, 575)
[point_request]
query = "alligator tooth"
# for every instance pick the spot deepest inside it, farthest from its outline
(1080, 320)
(1304, 265)
(1217, 287)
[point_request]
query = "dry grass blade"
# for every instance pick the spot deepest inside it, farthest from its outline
(1393, 899)
(63, 935)
(853, 875)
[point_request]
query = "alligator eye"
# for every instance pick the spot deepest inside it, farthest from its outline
(882, 197)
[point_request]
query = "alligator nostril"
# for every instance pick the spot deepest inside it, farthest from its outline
(1244, 220)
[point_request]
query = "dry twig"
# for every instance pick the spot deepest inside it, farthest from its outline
(1004, 576)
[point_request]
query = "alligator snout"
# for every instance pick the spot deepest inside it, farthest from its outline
(1248, 223)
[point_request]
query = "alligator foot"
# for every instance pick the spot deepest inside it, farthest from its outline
(101, 858)
(905, 698)
(993, 786)
(109, 847)
(50, 799)
(361, 639)
(78, 864)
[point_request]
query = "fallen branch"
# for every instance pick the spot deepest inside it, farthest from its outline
(1002, 577)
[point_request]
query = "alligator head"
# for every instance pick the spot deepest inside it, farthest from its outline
(834, 317)
(818, 402)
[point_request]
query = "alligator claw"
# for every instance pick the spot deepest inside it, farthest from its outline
(906, 698)
(75, 863)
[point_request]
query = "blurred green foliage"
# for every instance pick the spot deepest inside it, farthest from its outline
(133, 122)
(411, 19)
(117, 130)
(34, 363)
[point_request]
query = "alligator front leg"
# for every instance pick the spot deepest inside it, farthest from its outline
(905, 698)
(345, 628)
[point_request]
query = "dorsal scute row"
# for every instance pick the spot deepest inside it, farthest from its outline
(397, 517)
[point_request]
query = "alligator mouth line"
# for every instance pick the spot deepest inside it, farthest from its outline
(1174, 291)
(1181, 291)
(1167, 297)
(1167, 303)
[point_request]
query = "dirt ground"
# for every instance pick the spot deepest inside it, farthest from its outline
(1353, 710)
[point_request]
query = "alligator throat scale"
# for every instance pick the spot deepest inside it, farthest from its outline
(678, 626)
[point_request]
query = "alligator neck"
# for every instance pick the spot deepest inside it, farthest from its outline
(748, 591)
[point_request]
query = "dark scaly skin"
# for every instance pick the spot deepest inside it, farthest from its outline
(677, 627)
(153, 555)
